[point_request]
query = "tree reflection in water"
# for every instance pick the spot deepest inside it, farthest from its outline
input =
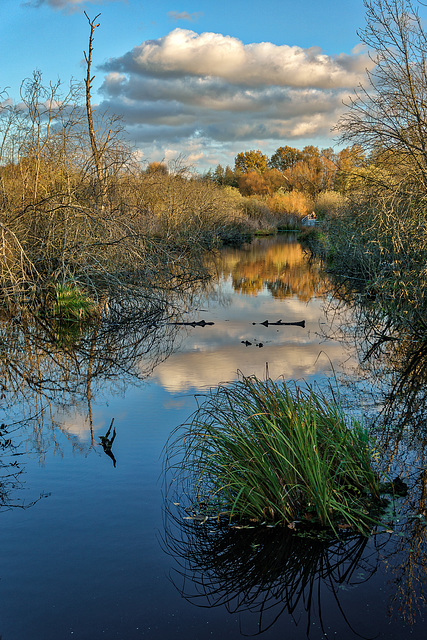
(278, 264)
(48, 364)
(265, 572)
(392, 388)
(11, 471)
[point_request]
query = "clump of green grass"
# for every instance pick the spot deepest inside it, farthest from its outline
(261, 452)
(72, 303)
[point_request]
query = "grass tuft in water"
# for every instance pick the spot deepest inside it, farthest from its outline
(71, 302)
(258, 451)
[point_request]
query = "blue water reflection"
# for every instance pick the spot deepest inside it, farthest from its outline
(88, 560)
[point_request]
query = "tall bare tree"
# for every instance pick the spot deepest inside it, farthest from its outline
(389, 114)
(97, 152)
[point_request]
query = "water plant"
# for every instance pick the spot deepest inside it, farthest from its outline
(268, 452)
(72, 303)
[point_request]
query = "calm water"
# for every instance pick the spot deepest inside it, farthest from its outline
(100, 555)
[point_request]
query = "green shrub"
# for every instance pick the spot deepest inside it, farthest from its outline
(259, 452)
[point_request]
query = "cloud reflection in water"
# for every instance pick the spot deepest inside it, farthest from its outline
(270, 280)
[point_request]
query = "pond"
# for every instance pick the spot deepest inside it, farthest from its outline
(90, 546)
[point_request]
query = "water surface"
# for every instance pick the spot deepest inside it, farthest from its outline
(100, 555)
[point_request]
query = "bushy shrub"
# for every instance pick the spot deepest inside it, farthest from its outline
(183, 209)
(295, 202)
(380, 240)
(233, 193)
(254, 207)
(328, 202)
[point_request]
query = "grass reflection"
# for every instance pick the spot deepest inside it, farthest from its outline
(262, 573)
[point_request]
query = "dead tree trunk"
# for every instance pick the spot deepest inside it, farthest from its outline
(96, 153)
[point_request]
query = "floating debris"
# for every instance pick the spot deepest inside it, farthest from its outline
(280, 323)
(200, 323)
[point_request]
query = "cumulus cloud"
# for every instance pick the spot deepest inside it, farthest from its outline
(183, 52)
(210, 91)
(68, 6)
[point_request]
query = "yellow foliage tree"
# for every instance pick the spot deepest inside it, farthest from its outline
(247, 161)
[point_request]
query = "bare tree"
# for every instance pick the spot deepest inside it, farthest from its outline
(49, 117)
(389, 115)
(96, 151)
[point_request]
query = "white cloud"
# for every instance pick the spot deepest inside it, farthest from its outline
(202, 93)
(185, 53)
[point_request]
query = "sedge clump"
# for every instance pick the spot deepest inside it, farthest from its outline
(266, 452)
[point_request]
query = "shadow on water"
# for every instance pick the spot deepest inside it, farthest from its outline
(263, 573)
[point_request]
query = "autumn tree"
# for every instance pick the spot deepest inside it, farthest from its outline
(252, 183)
(350, 162)
(310, 152)
(328, 161)
(275, 180)
(285, 158)
(306, 174)
(247, 161)
(390, 111)
(157, 168)
(350, 158)
(267, 183)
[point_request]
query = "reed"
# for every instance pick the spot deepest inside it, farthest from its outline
(262, 452)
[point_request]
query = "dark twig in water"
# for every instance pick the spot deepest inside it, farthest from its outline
(280, 323)
(107, 442)
(201, 323)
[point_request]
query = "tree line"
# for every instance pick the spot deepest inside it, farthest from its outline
(310, 170)
(77, 206)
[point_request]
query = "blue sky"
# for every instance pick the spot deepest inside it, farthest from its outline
(205, 79)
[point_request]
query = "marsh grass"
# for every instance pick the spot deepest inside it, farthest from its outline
(262, 452)
(70, 302)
